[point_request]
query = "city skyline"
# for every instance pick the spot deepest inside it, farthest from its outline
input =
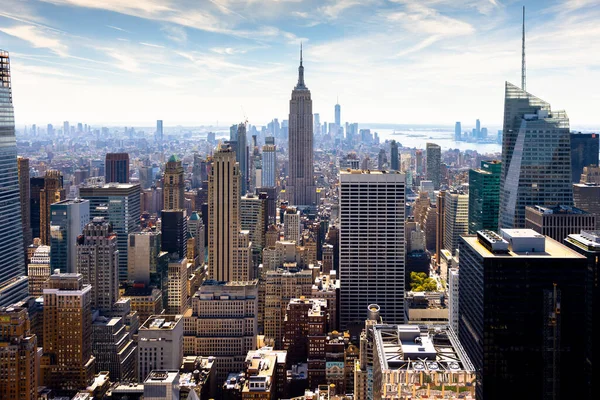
(230, 59)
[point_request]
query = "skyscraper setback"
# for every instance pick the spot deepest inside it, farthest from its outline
(536, 157)
(301, 184)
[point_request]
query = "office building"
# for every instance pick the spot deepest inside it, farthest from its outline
(301, 183)
(484, 196)
(113, 349)
(584, 152)
(162, 385)
(591, 174)
(35, 186)
(520, 297)
(178, 299)
(558, 222)
(456, 219)
(405, 356)
(51, 193)
(38, 270)
(146, 300)
(223, 323)
(119, 203)
(12, 262)
(304, 318)
(338, 120)
(68, 218)
(160, 344)
(269, 165)
(587, 243)
(434, 164)
(536, 157)
(394, 157)
(143, 249)
(25, 198)
(241, 157)
(292, 225)
(98, 262)
(116, 168)
(197, 229)
(254, 219)
(228, 246)
(67, 364)
(173, 185)
(174, 233)
(457, 132)
(453, 298)
(159, 134)
(18, 355)
(371, 269)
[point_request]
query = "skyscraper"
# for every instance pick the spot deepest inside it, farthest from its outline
(521, 299)
(51, 193)
(173, 185)
(457, 132)
(456, 219)
(584, 152)
(484, 196)
(477, 129)
(98, 262)
(269, 169)
(116, 167)
(241, 157)
(174, 233)
(36, 184)
(228, 247)
(536, 157)
(434, 164)
(25, 197)
(67, 221)
(372, 210)
(394, 160)
(159, 132)
(301, 182)
(338, 120)
(12, 261)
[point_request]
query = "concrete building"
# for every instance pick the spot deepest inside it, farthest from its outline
(38, 270)
(178, 300)
(405, 356)
(223, 323)
(456, 219)
(51, 193)
(326, 287)
(228, 246)
(590, 174)
(558, 222)
(162, 385)
(67, 221)
(301, 182)
(19, 365)
(532, 286)
(67, 364)
(146, 301)
(484, 196)
(434, 164)
(372, 216)
(292, 225)
(116, 168)
(585, 197)
(143, 249)
(114, 349)
(160, 341)
(119, 203)
(536, 157)
(265, 374)
(173, 185)
(303, 318)
(97, 262)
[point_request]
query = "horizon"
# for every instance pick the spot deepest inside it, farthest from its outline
(431, 62)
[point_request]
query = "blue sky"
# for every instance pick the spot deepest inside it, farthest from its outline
(130, 62)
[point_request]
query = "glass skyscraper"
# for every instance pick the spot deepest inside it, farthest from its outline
(484, 196)
(536, 157)
(12, 263)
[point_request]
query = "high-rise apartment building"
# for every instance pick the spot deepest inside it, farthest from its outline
(119, 203)
(67, 364)
(173, 185)
(558, 222)
(484, 196)
(116, 167)
(456, 219)
(223, 323)
(12, 262)
(301, 182)
(98, 263)
(269, 165)
(228, 246)
(67, 220)
(25, 197)
(584, 151)
(51, 193)
(394, 157)
(434, 164)
(38, 270)
(292, 225)
(536, 157)
(520, 297)
(18, 355)
(160, 344)
(174, 233)
(371, 270)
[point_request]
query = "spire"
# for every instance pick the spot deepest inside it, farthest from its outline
(300, 84)
(523, 55)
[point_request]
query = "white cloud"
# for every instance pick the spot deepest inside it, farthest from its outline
(175, 33)
(227, 50)
(37, 38)
(117, 28)
(152, 45)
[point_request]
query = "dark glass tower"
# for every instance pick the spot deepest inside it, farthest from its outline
(12, 263)
(174, 233)
(584, 152)
(117, 167)
(394, 160)
(484, 196)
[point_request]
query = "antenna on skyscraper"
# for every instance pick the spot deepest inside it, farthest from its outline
(523, 55)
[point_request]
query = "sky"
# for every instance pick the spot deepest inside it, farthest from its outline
(193, 62)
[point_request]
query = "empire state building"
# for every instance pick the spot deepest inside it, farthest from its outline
(301, 182)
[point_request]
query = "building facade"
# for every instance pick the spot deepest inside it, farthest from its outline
(68, 218)
(160, 344)
(456, 219)
(173, 185)
(25, 197)
(584, 152)
(558, 222)
(116, 167)
(434, 164)
(51, 193)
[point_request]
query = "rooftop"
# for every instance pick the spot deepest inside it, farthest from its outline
(557, 210)
(587, 240)
(161, 322)
(162, 376)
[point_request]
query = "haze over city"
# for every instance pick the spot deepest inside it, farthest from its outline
(202, 62)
